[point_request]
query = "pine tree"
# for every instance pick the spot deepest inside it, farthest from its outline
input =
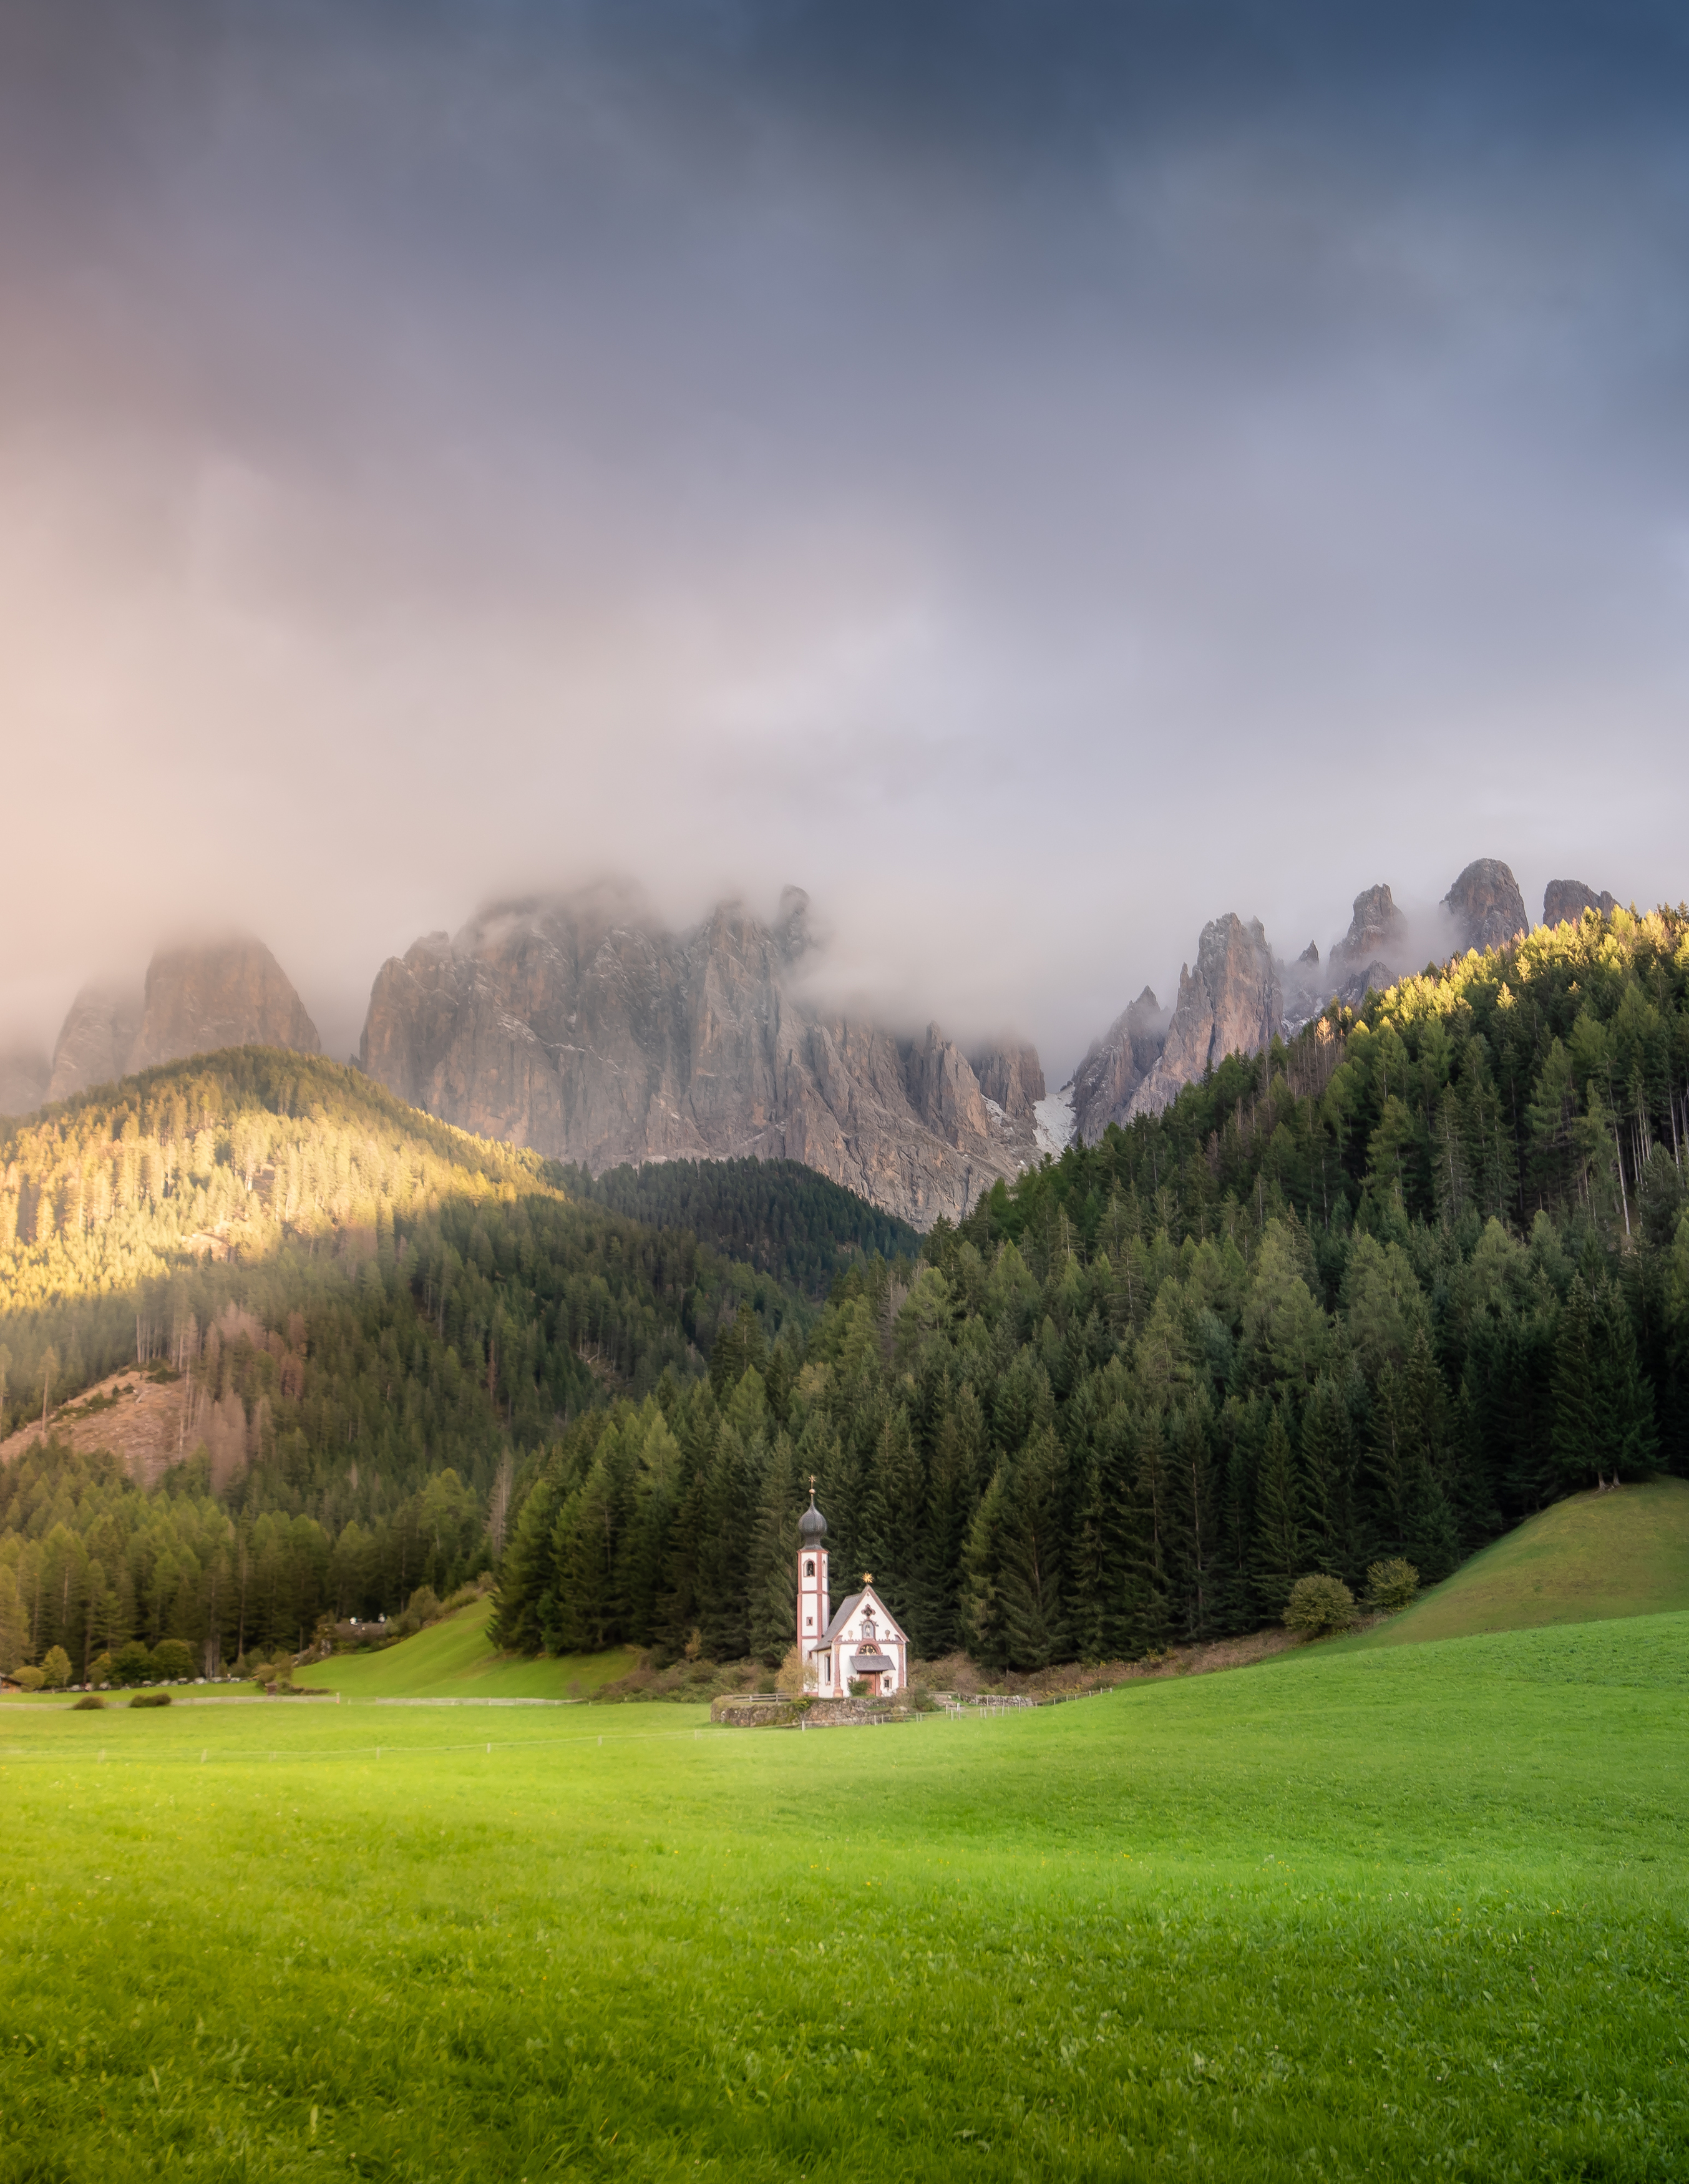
(1625, 1392)
(1155, 1504)
(981, 1607)
(1030, 1567)
(1279, 1555)
(645, 1538)
(774, 1557)
(1235, 1606)
(1197, 1569)
(1577, 1440)
(953, 1493)
(1323, 1449)
(723, 1546)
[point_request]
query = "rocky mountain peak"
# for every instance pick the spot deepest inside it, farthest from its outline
(1009, 1072)
(1487, 906)
(579, 1025)
(1107, 1081)
(228, 993)
(96, 1038)
(1232, 1003)
(1565, 901)
(1376, 928)
(196, 999)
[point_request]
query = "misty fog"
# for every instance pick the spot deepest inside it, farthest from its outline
(1036, 483)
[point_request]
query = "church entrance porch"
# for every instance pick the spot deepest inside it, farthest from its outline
(876, 1672)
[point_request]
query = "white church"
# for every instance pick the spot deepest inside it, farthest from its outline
(858, 1641)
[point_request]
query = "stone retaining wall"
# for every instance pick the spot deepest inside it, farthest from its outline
(744, 1710)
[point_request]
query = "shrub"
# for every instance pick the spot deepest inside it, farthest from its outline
(56, 1669)
(767, 1687)
(150, 1698)
(922, 1699)
(1320, 1606)
(857, 1685)
(28, 1679)
(133, 1664)
(795, 1676)
(99, 1670)
(264, 1674)
(90, 1701)
(1391, 1586)
(424, 1604)
(171, 1658)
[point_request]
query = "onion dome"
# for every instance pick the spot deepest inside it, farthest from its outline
(811, 1525)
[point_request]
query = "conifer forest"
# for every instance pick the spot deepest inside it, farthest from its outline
(1384, 1289)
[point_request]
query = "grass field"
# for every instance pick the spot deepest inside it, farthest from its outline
(1418, 1911)
(1588, 1557)
(455, 1659)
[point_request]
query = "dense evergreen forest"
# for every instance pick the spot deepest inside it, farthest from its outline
(373, 1322)
(1383, 1290)
(778, 1217)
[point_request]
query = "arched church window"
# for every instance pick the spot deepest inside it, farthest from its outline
(809, 1569)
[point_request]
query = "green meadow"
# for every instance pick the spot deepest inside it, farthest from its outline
(1581, 1560)
(1415, 1912)
(454, 1659)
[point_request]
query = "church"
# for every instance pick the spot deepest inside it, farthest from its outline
(857, 1642)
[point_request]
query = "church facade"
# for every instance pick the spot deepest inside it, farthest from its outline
(860, 1641)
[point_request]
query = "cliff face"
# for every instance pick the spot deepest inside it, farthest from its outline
(1374, 952)
(1010, 1073)
(578, 1026)
(95, 1039)
(234, 994)
(1485, 905)
(1107, 1080)
(1565, 901)
(196, 999)
(1233, 1003)
(1240, 995)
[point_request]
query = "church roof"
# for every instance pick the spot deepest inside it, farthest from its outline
(841, 1615)
(848, 1607)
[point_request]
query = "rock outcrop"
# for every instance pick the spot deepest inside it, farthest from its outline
(1377, 929)
(95, 1039)
(1486, 907)
(1010, 1073)
(1107, 1081)
(24, 1076)
(580, 1027)
(231, 993)
(1565, 901)
(1233, 1003)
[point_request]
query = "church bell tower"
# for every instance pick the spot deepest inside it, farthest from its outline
(813, 1609)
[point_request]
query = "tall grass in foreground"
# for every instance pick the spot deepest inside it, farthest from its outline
(1409, 1914)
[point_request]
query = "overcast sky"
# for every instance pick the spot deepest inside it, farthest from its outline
(1037, 476)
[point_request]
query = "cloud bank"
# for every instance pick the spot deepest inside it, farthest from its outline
(1037, 478)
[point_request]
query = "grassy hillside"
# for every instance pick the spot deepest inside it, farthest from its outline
(1393, 1915)
(1587, 1558)
(456, 1659)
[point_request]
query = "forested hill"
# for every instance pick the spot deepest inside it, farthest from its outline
(1384, 1289)
(777, 1216)
(366, 1319)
